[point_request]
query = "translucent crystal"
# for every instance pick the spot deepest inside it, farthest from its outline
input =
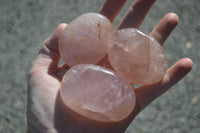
(137, 57)
(97, 93)
(84, 41)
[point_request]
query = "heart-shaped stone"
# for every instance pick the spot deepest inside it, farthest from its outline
(137, 56)
(85, 39)
(97, 93)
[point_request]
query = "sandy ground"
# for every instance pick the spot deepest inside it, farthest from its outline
(25, 24)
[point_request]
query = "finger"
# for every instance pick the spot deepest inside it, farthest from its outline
(136, 14)
(111, 8)
(49, 56)
(52, 42)
(146, 94)
(165, 27)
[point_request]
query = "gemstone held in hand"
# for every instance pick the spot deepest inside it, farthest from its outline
(97, 93)
(137, 56)
(84, 41)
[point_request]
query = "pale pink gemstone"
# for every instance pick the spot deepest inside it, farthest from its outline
(97, 93)
(84, 41)
(137, 56)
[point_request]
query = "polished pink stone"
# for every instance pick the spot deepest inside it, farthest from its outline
(97, 93)
(84, 41)
(137, 56)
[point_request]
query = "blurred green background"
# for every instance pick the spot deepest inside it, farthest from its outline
(25, 24)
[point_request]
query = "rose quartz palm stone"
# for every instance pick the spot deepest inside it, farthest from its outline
(97, 93)
(137, 57)
(85, 39)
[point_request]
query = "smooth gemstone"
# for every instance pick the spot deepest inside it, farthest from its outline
(137, 57)
(84, 41)
(97, 93)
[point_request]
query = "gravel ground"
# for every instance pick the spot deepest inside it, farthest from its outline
(25, 24)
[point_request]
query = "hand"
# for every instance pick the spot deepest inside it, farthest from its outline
(46, 112)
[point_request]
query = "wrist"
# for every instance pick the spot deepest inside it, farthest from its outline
(35, 130)
(31, 130)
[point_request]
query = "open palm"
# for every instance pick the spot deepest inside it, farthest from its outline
(47, 113)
